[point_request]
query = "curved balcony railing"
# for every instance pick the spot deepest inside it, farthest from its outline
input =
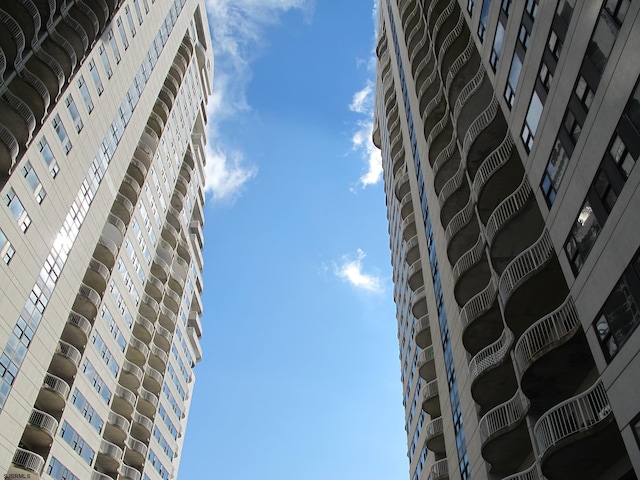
(453, 184)
(439, 470)
(429, 393)
(129, 473)
(65, 45)
(426, 366)
(90, 294)
(492, 164)
(469, 259)
(149, 397)
(43, 421)
(68, 351)
(80, 322)
(531, 473)
(458, 63)
(525, 265)
(460, 219)
(23, 109)
(574, 415)
(445, 155)
(27, 460)
(99, 476)
(504, 416)
(438, 128)
(417, 47)
(16, 32)
(479, 124)
(433, 103)
(451, 37)
(111, 450)
(492, 355)
(549, 330)
(143, 420)
(469, 89)
(425, 60)
(133, 370)
(444, 15)
(11, 144)
(56, 384)
(478, 304)
(136, 446)
(434, 428)
(507, 209)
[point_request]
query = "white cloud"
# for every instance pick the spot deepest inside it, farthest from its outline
(351, 271)
(237, 29)
(363, 103)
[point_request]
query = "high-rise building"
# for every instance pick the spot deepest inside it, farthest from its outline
(102, 138)
(509, 133)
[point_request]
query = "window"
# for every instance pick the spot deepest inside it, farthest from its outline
(58, 126)
(84, 92)
(123, 34)
(512, 82)
(484, 17)
(73, 111)
(497, 46)
(573, 126)
(531, 122)
(554, 172)
(105, 61)
(58, 471)
(34, 182)
(97, 81)
(620, 314)
(136, 6)
(6, 250)
(584, 93)
(583, 235)
(114, 46)
(132, 27)
(77, 443)
(12, 201)
(470, 4)
(506, 6)
(47, 156)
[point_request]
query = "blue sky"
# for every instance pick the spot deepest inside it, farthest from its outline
(300, 375)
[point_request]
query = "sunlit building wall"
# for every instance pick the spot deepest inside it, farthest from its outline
(509, 133)
(102, 148)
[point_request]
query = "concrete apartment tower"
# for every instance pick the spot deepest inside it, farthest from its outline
(509, 133)
(102, 147)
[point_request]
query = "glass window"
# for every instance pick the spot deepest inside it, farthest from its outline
(602, 40)
(531, 122)
(554, 172)
(6, 250)
(136, 6)
(114, 46)
(484, 18)
(75, 114)
(132, 27)
(583, 235)
(123, 34)
(620, 315)
(58, 126)
(105, 61)
(84, 92)
(512, 82)
(97, 81)
(16, 208)
(497, 46)
(34, 182)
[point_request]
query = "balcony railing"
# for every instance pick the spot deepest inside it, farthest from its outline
(574, 415)
(492, 355)
(550, 329)
(504, 416)
(439, 470)
(531, 473)
(27, 460)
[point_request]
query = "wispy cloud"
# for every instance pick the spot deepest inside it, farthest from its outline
(363, 104)
(351, 270)
(237, 29)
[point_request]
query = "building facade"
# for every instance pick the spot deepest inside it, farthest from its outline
(102, 138)
(509, 133)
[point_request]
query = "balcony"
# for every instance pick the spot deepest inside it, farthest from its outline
(531, 285)
(402, 186)
(40, 430)
(109, 457)
(116, 428)
(53, 394)
(65, 361)
(26, 460)
(504, 434)
(194, 321)
(106, 251)
(431, 399)
(419, 308)
(124, 401)
(130, 375)
(439, 470)
(172, 300)
(143, 329)
(170, 234)
(137, 352)
(135, 452)
(491, 372)
(122, 208)
(435, 437)
(160, 268)
(147, 402)
(412, 250)
(531, 473)
(149, 307)
(415, 275)
(130, 188)
(152, 380)
(167, 318)
(129, 473)
(141, 427)
(552, 357)
(76, 330)
(481, 319)
(574, 436)
(95, 475)
(87, 302)
(154, 287)
(409, 227)
(426, 364)
(158, 358)
(118, 225)
(162, 338)
(97, 276)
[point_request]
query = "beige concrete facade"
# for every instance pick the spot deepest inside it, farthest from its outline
(509, 133)
(102, 138)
